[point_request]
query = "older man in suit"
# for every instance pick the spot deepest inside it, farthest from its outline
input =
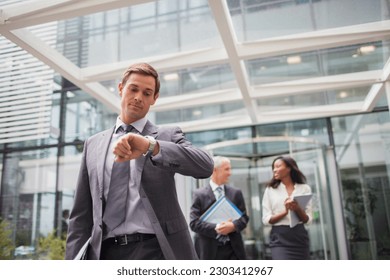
(221, 241)
(125, 202)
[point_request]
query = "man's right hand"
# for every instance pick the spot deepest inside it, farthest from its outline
(130, 146)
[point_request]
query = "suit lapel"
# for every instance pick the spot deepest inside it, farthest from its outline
(210, 198)
(102, 150)
(228, 192)
(210, 193)
(151, 130)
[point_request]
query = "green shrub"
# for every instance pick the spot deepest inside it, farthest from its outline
(6, 244)
(51, 247)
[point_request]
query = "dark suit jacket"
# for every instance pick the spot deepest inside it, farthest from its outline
(157, 191)
(205, 240)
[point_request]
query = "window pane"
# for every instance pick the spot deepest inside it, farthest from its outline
(254, 20)
(363, 161)
(28, 195)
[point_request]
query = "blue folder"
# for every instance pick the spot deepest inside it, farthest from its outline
(221, 211)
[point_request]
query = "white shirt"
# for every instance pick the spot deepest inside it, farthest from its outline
(214, 187)
(273, 202)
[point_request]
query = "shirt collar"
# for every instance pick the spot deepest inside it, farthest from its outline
(138, 125)
(281, 184)
(214, 186)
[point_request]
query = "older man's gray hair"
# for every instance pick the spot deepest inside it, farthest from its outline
(218, 160)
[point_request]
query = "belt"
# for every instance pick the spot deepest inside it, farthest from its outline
(129, 238)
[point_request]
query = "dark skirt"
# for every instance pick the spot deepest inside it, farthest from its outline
(290, 243)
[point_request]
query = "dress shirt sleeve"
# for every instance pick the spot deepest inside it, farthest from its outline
(266, 207)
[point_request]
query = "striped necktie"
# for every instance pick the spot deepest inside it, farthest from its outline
(219, 192)
(115, 208)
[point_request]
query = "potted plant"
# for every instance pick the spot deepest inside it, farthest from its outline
(357, 205)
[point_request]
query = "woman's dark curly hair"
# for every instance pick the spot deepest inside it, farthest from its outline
(296, 174)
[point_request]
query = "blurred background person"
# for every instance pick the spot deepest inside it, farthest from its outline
(221, 241)
(286, 243)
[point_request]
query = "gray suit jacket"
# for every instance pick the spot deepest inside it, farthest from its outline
(157, 191)
(206, 244)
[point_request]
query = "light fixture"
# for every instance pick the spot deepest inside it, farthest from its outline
(171, 77)
(197, 113)
(305, 132)
(343, 94)
(294, 59)
(367, 49)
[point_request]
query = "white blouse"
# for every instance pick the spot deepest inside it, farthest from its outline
(273, 202)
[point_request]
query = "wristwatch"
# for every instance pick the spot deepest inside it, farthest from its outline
(152, 144)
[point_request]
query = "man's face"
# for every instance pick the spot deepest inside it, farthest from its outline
(137, 95)
(223, 173)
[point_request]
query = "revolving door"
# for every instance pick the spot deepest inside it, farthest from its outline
(251, 170)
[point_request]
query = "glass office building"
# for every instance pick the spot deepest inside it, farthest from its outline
(250, 79)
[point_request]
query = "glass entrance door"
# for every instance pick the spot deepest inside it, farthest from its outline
(251, 172)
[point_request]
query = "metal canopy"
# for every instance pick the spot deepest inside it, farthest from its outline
(15, 20)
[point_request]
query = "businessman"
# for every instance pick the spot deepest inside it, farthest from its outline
(221, 241)
(126, 200)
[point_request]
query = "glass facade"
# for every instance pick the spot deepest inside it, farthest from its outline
(39, 177)
(335, 61)
(360, 149)
(364, 173)
(254, 20)
(38, 181)
(126, 33)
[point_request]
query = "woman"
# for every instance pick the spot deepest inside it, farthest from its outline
(287, 243)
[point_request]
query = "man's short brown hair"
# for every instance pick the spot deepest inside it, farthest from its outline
(143, 69)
